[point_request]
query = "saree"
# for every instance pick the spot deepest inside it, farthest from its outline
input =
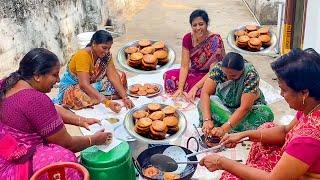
(202, 56)
(27, 119)
(72, 96)
(301, 142)
(228, 98)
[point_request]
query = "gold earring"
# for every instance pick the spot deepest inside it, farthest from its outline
(303, 98)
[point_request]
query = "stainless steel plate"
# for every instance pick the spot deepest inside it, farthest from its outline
(148, 95)
(129, 126)
(232, 43)
(122, 60)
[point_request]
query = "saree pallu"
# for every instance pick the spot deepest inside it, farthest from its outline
(210, 51)
(71, 95)
(265, 157)
(19, 160)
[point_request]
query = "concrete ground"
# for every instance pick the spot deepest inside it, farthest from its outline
(168, 20)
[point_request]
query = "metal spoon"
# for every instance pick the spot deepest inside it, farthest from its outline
(214, 149)
(166, 163)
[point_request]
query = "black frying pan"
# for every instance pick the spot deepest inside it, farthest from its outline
(143, 161)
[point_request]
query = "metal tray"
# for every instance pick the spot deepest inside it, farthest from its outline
(148, 95)
(122, 60)
(129, 126)
(232, 43)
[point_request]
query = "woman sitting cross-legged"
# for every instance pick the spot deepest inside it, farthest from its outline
(284, 151)
(32, 132)
(231, 98)
(201, 49)
(91, 76)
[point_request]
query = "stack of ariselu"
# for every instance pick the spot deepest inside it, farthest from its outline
(147, 56)
(253, 38)
(155, 122)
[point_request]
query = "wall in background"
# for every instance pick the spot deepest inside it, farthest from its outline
(312, 28)
(54, 24)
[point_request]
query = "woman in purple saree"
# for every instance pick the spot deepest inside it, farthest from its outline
(201, 49)
(32, 133)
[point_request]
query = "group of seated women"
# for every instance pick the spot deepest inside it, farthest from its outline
(32, 126)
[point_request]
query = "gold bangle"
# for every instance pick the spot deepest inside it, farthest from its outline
(217, 161)
(228, 122)
(107, 102)
(261, 136)
(206, 119)
(79, 120)
(90, 141)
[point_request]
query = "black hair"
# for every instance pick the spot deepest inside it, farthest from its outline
(234, 61)
(99, 37)
(300, 70)
(199, 13)
(38, 61)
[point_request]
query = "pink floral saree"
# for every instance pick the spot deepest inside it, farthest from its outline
(202, 56)
(302, 142)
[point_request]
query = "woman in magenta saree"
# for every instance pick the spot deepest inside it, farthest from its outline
(32, 132)
(287, 151)
(201, 49)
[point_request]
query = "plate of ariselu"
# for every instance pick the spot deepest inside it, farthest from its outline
(155, 123)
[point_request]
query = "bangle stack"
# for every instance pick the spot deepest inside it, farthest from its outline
(217, 161)
(261, 136)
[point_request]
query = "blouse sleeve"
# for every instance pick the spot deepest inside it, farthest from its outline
(216, 73)
(251, 83)
(42, 115)
(82, 61)
(305, 149)
(187, 41)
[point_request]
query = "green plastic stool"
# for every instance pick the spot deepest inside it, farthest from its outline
(115, 164)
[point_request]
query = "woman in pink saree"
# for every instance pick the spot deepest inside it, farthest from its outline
(32, 132)
(201, 49)
(288, 151)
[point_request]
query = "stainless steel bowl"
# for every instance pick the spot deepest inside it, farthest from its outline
(122, 60)
(129, 126)
(232, 43)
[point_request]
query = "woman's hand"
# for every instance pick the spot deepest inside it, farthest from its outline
(101, 137)
(192, 94)
(115, 107)
(207, 127)
(178, 93)
(231, 140)
(89, 121)
(211, 162)
(128, 103)
(217, 131)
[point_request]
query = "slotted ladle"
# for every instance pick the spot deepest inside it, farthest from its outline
(166, 163)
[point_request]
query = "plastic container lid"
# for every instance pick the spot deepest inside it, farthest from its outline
(93, 157)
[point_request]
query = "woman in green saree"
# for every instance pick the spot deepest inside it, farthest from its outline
(231, 99)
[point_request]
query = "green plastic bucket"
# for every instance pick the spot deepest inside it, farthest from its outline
(115, 164)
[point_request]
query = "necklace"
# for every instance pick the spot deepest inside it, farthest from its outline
(196, 41)
(312, 110)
